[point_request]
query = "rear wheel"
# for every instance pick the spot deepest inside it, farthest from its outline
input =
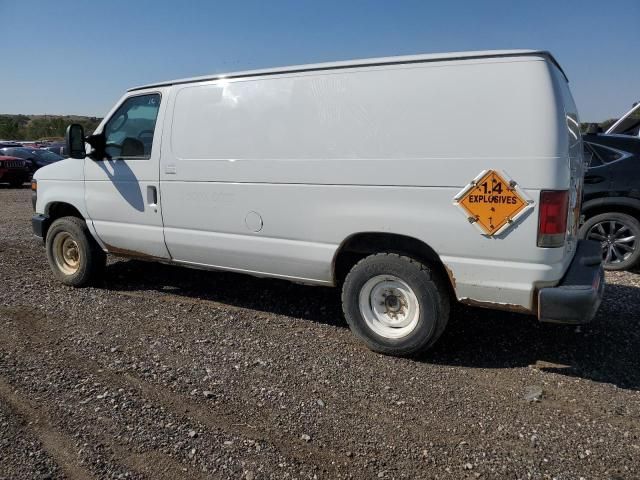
(395, 304)
(619, 236)
(74, 256)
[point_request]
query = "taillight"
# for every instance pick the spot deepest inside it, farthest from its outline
(552, 223)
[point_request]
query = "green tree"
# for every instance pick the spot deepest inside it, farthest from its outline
(9, 128)
(23, 127)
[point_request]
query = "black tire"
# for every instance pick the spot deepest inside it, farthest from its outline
(91, 260)
(429, 290)
(629, 250)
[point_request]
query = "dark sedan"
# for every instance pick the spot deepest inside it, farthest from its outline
(611, 202)
(38, 158)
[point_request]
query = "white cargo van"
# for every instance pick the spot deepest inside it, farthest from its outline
(409, 182)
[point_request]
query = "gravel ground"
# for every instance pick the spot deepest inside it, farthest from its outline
(166, 372)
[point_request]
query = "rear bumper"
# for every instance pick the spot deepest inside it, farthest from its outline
(39, 224)
(577, 297)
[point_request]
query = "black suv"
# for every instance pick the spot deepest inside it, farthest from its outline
(611, 201)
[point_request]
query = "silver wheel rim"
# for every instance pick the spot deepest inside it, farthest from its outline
(616, 238)
(66, 253)
(389, 306)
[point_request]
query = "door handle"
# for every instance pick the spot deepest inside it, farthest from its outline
(593, 179)
(152, 197)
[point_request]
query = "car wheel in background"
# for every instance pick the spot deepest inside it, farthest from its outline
(619, 236)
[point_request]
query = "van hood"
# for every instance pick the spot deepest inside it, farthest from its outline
(67, 169)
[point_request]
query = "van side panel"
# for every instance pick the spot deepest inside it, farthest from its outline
(284, 129)
(321, 156)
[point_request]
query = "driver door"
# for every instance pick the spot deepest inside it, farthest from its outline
(122, 191)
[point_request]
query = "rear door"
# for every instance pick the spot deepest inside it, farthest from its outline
(576, 162)
(620, 165)
(122, 191)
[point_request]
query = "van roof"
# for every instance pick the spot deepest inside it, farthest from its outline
(365, 62)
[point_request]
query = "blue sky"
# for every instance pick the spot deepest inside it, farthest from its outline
(66, 56)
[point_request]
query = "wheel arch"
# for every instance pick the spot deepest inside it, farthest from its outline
(361, 244)
(596, 206)
(55, 210)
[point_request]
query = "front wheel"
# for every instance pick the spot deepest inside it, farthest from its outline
(619, 237)
(74, 256)
(395, 304)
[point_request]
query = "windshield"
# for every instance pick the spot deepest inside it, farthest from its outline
(27, 153)
(30, 153)
(46, 155)
(15, 152)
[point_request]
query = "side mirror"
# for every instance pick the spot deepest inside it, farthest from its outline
(98, 146)
(74, 140)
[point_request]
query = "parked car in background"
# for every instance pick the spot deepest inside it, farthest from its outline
(629, 124)
(30, 144)
(57, 147)
(9, 143)
(611, 204)
(37, 158)
(13, 171)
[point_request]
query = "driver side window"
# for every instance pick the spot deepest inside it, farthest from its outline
(129, 132)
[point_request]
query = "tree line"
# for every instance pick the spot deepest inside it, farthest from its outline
(40, 127)
(604, 126)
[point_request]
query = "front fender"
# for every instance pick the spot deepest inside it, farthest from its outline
(52, 192)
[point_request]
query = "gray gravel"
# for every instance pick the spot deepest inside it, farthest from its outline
(164, 372)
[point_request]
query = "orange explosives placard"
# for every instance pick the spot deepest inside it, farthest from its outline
(491, 202)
